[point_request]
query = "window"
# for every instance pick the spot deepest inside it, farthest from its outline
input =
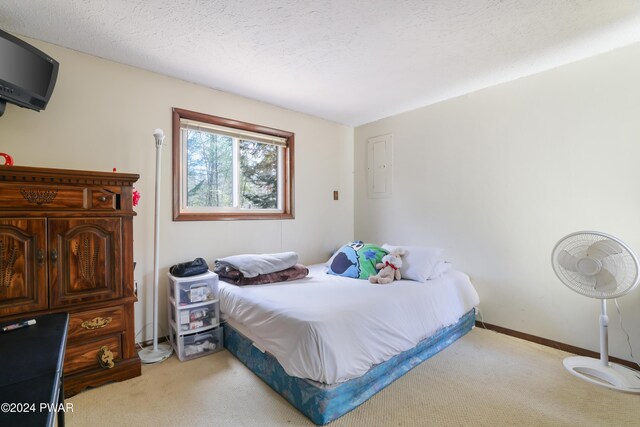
(225, 169)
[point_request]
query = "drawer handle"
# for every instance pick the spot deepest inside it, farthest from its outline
(54, 256)
(105, 357)
(102, 199)
(96, 323)
(40, 257)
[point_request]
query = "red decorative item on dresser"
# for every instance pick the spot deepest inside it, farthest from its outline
(8, 160)
(66, 245)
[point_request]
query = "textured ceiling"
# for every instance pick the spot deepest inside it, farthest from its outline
(350, 61)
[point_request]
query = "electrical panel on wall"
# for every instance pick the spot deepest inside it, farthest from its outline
(380, 166)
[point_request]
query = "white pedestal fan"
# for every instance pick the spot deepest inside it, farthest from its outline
(157, 352)
(600, 266)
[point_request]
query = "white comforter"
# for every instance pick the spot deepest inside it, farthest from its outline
(331, 329)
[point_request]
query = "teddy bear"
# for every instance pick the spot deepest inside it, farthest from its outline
(389, 268)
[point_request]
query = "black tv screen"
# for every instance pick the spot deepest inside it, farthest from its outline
(27, 75)
(24, 68)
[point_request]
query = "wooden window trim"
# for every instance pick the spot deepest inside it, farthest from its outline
(288, 169)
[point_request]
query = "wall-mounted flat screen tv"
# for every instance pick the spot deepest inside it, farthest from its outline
(27, 75)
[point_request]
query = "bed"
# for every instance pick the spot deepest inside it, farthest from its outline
(328, 343)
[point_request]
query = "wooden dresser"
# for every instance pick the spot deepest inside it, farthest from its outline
(66, 244)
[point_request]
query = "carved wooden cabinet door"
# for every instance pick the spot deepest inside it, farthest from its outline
(85, 260)
(23, 272)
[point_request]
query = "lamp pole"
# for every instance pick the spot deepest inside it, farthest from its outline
(157, 353)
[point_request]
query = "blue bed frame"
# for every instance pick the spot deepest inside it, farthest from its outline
(324, 403)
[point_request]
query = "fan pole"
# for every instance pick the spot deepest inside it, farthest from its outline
(604, 333)
(601, 372)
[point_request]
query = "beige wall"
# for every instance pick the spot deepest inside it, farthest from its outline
(497, 177)
(102, 115)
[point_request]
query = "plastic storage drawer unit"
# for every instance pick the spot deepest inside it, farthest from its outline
(195, 345)
(194, 289)
(194, 315)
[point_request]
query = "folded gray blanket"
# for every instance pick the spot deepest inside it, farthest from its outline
(251, 265)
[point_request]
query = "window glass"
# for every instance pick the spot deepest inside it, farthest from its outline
(226, 169)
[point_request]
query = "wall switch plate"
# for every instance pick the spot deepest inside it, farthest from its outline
(335, 195)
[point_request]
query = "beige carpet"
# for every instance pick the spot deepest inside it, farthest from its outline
(484, 379)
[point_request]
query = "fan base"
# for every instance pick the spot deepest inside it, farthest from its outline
(613, 376)
(149, 355)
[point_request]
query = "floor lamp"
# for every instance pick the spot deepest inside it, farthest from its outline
(158, 352)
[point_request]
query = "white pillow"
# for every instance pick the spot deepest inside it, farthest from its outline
(439, 269)
(418, 262)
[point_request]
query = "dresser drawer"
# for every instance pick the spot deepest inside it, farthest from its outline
(85, 355)
(58, 197)
(101, 199)
(41, 197)
(94, 323)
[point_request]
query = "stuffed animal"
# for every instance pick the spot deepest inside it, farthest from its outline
(389, 268)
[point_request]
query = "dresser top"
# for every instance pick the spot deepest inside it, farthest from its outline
(28, 174)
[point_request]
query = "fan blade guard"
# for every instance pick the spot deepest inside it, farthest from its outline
(596, 264)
